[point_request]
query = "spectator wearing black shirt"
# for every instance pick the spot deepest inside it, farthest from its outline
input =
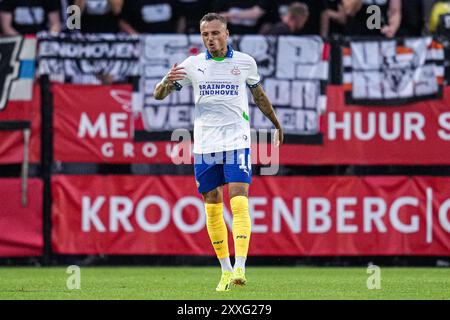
(191, 12)
(99, 16)
(29, 16)
(333, 19)
(413, 18)
(277, 9)
(293, 22)
(149, 16)
(240, 18)
(357, 17)
(270, 13)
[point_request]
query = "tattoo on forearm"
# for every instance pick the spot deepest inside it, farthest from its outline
(262, 101)
(163, 91)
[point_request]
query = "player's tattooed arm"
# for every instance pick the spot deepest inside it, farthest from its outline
(163, 89)
(262, 101)
(166, 86)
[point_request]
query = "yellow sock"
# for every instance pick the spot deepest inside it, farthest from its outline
(217, 229)
(242, 225)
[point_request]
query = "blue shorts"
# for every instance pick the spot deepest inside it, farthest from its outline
(218, 168)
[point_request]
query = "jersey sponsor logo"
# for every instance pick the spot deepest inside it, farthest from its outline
(9, 66)
(219, 89)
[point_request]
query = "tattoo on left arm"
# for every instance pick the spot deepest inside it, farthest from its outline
(262, 101)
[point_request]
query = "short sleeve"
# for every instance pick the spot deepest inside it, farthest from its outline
(186, 81)
(253, 77)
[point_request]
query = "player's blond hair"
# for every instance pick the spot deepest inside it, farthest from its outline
(213, 16)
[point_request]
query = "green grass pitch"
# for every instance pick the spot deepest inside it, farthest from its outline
(195, 283)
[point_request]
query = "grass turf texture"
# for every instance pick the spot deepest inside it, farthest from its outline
(195, 283)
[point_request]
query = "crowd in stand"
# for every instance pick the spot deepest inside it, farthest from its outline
(283, 17)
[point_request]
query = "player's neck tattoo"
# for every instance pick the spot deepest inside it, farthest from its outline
(220, 53)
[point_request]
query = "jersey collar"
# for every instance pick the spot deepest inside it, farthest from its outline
(229, 54)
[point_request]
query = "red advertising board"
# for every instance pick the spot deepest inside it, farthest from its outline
(12, 142)
(418, 133)
(94, 124)
(21, 227)
(291, 216)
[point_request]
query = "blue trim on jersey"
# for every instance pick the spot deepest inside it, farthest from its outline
(216, 169)
(178, 86)
(251, 86)
(229, 54)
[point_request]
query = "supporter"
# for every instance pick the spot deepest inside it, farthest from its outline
(413, 18)
(276, 11)
(271, 13)
(243, 17)
(333, 18)
(358, 17)
(440, 18)
(29, 16)
(191, 13)
(99, 16)
(149, 16)
(293, 22)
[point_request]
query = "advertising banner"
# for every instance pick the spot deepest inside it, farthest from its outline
(16, 116)
(291, 216)
(21, 227)
(95, 124)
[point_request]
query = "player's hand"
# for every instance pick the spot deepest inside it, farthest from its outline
(278, 137)
(175, 73)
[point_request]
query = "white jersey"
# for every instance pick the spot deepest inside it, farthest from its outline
(221, 121)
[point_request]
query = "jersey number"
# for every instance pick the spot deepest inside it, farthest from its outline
(245, 166)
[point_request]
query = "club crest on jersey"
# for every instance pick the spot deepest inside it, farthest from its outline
(236, 71)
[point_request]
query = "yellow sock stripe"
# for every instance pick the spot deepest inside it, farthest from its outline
(217, 229)
(242, 225)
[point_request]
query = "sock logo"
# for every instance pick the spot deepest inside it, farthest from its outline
(218, 242)
(241, 237)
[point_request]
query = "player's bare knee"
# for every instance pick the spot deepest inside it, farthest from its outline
(213, 196)
(238, 191)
